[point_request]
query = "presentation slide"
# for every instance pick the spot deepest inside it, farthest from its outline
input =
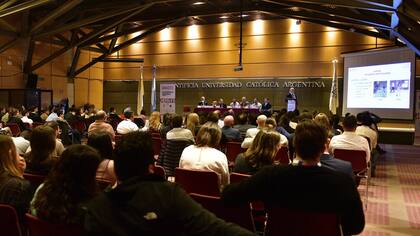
(379, 86)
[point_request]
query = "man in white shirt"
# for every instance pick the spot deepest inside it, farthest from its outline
(179, 133)
(235, 104)
(53, 115)
(364, 129)
(255, 104)
(127, 125)
(252, 132)
(349, 140)
(25, 118)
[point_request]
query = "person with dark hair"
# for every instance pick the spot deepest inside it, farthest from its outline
(22, 142)
(335, 124)
(309, 187)
(14, 189)
(242, 124)
(13, 118)
(100, 125)
(102, 142)
(68, 187)
(113, 116)
(158, 207)
(261, 153)
(59, 147)
(40, 158)
(349, 140)
(177, 132)
(166, 125)
(365, 129)
(25, 118)
(34, 115)
(204, 154)
(127, 125)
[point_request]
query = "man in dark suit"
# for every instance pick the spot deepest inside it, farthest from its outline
(203, 101)
(231, 134)
(221, 103)
(266, 106)
(291, 96)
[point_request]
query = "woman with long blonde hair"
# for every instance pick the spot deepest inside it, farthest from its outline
(261, 153)
(192, 123)
(14, 190)
(153, 124)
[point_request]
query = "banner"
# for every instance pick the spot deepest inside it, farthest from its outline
(333, 105)
(167, 98)
(153, 93)
(417, 119)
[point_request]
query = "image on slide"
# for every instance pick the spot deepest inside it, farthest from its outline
(379, 89)
(397, 87)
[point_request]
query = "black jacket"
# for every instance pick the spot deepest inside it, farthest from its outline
(309, 188)
(150, 206)
(338, 165)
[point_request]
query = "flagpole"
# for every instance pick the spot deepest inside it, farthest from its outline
(140, 92)
(153, 93)
(333, 104)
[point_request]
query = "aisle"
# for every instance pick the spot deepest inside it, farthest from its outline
(394, 194)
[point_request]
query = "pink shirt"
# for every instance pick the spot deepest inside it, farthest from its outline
(101, 126)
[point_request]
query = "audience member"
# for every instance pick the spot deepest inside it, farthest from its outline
(336, 127)
(53, 116)
(34, 116)
(204, 155)
(261, 153)
(22, 142)
(365, 129)
(242, 124)
(349, 140)
(177, 132)
(59, 147)
(252, 132)
(14, 118)
(307, 186)
(322, 120)
(192, 123)
(231, 133)
(68, 187)
(14, 190)
(26, 119)
(153, 124)
(158, 207)
(102, 142)
(40, 158)
(100, 125)
(127, 125)
(166, 125)
(271, 124)
(113, 116)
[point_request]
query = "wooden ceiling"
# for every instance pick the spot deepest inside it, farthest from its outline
(97, 24)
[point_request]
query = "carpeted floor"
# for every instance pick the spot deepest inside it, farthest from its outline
(394, 194)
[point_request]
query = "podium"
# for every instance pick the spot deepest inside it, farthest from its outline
(291, 105)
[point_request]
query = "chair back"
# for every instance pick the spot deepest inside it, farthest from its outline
(282, 221)
(14, 128)
(282, 156)
(357, 158)
(37, 227)
(232, 150)
(240, 215)
(198, 181)
(34, 179)
(9, 223)
(237, 177)
(159, 170)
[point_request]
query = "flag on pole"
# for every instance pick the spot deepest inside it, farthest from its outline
(153, 97)
(140, 92)
(334, 90)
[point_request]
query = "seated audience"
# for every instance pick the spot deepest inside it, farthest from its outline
(262, 152)
(69, 186)
(349, 140)
(59, 147)
(306, 186)
(100, 125)
(242, 124)
(204, 155)
(53, 116)
(14, 190)
(336, 127)
(231, 133)
(177, 132)
(34, 116)
(25, 118)
(157, 207)
(127, 125)
(113, 116)
(153, 123)
(271, 124)
(102, 142)
(22, 142)
(322, 120)
(14, 118)
(192, 123)
(40, 159)
(166, 125)
(365, 129)
(252, 132)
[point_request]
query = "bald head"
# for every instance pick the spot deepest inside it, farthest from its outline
(100, 115)
(261, 120)
(229, 121)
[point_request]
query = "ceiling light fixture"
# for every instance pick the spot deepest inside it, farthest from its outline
(243, 15)
(199, 3)
(224, 17)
